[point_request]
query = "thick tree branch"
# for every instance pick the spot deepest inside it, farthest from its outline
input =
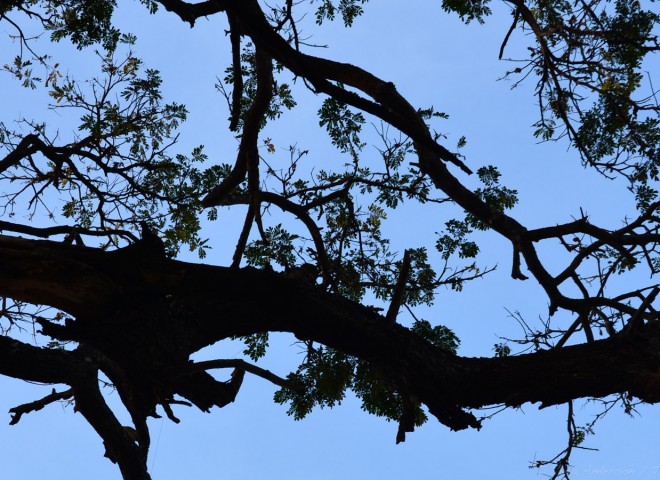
(184, 307)
(120, 446)
(25, 362)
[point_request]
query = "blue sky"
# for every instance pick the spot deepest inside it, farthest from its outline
(433, 59)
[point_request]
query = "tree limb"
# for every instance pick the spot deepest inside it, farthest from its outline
(37, 405)
(180, 304)
(248, 367)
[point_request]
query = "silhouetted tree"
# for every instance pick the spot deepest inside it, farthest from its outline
(103, 286)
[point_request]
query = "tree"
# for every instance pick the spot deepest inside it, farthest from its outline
(102, 284)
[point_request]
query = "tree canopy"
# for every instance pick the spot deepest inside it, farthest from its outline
(97, 213)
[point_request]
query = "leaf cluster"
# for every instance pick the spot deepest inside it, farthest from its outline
(327, 374)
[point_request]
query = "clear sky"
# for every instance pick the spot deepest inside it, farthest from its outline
(433, 59)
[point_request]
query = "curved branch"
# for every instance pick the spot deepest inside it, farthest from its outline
(184, 307)
(389, 105)
(248, 155)
(28, 145)
(302, 214)
(248, 367)
(394, 109)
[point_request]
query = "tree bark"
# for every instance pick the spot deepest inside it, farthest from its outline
(147, 314)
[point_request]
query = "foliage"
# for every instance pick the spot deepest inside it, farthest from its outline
(349, 10)
(84, 22)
